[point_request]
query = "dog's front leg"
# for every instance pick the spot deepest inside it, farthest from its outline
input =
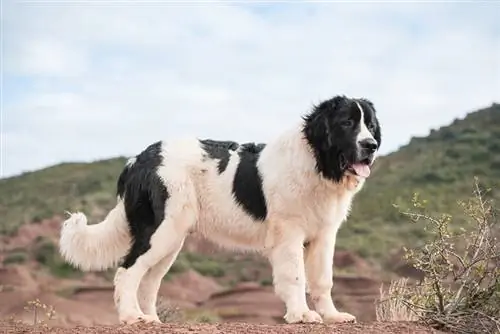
(319, 270)
(287, 260)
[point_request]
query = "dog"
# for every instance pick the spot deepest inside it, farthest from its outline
(285, 199)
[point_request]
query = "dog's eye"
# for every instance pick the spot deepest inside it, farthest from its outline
(347, 123)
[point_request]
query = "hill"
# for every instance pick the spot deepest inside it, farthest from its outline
(440, 167)
(34, 196)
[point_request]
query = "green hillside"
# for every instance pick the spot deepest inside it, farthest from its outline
(33, 196)
(440, 167)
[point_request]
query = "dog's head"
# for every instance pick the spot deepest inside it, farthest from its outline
(344, 135)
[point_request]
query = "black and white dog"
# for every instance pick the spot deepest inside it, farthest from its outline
(272, 198)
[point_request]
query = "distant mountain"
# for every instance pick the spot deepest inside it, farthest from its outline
(440, 167)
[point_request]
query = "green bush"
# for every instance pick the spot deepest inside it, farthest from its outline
(47, 254)
(209, 268)
(45, 251)
(268, 281)
(198, 262)
(16, 257)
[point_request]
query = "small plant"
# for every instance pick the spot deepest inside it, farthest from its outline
(268, 281)
(206, 318)
(170, 313)
(167, 312)
(39, 309)
(460, 291)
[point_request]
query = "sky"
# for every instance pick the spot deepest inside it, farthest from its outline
(84, 81)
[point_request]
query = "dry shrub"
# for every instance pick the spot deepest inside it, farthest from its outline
(168, 312)
(171, 313)
(394, 308)
(40, 311)
(460, 291)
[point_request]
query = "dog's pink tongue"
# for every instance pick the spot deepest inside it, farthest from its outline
(362, 170)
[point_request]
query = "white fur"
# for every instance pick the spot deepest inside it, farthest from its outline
(364, 133)
(98, 246)
(303, 207)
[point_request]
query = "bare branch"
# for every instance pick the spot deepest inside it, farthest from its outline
(460, 289)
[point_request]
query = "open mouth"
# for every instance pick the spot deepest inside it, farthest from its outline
(361, 168)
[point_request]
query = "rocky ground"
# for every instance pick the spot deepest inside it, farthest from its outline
(230, 328)
(197, 303)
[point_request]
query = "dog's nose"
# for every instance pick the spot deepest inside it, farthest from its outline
(369, 144)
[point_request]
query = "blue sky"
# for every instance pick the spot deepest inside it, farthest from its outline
(83, 81)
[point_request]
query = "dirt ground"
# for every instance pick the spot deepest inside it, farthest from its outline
(85, 304)
(229, 328)
(87, 300)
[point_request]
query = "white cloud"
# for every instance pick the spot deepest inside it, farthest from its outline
(108, 80)
(49, 57)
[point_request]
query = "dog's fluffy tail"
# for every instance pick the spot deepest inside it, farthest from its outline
(95, 247)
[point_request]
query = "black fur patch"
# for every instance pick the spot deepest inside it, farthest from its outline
(331, 130)
(219, 150)
(144, 196)
(247, 183)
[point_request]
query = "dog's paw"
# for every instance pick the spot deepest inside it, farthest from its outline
(130, 319)
(136, 318)
(339, 317)
(148, 318)
(303, 317)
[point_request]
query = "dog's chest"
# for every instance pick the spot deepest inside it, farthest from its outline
(327, 211)
(340, 209)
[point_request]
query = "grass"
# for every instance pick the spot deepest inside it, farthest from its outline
(15, 258)
(205, 265)
(228, 269)
(439, 166)
(394, 309)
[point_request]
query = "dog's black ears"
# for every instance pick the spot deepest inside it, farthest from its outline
(321, 111)
(368, 102)
(332, 104)
(317, 127)
(319, 134)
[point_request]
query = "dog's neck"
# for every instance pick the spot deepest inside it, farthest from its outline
(297, 153)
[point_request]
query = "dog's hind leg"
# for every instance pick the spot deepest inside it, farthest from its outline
(149, 249)
(165, 245)
(150, 284)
